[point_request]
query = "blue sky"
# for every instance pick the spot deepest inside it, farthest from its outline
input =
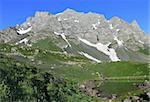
(16, 11)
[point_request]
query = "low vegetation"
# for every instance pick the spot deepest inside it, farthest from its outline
(45, 75)
(21, 82)
(145, 51)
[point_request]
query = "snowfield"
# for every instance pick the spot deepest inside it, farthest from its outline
(96, 24)
(59, 19)
(22, 31)
(65, 19)
(141, 42)
(77, 21)
(119, 42)
(103, 48)
(111, 27)
(117, 30)
(63, 37)
(89, 57)
(113, 55)
(25, 41)
(86, 42)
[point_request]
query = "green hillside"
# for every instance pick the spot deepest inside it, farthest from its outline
(39, 73)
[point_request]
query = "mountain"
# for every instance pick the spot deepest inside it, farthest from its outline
(74, 57)
(70, 25)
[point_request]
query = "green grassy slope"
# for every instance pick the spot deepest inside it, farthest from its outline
(77, 68)
(116, 69)
(145, 51)
(46, 44)
(21, 82)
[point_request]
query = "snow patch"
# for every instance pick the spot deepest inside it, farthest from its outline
(77, 21)
(21, 31)
(86, 42)
(119, 42)
(25, 41)
(65, 19)
(89, 57)
(30, 45)
(63, 37)
(57, 33)
(59, 19)
(108, 44)
(96, 24)
(111, 27)
(103, 48)
(141, 42)
(117, 30)
(113, 55)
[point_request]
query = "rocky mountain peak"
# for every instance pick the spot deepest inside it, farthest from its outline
(68, 10)
(116, 19)
(135, 24)
(41, 14)
(90, 26)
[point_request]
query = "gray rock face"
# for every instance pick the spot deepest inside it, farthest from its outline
(90, 26)
(10, 35)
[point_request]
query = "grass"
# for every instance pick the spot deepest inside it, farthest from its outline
(80, 69)
(90, 71)
(77, 70)
(5, 48)
(46, 44)
(145, 51)
(76, 73)
(118, 88)
(121, 87)
(119, 69)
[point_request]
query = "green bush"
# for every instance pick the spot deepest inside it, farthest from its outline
(21, 82)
